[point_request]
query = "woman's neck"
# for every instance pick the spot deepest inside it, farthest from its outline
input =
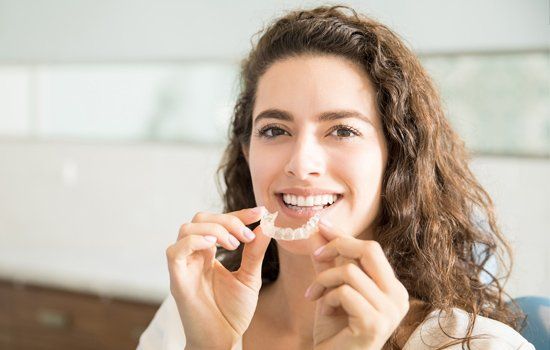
(283, 301)
(284, 310)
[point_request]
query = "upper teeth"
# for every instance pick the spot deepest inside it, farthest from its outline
(309, 201)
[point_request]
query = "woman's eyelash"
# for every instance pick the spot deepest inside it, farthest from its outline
(263, 132)
(348, 128)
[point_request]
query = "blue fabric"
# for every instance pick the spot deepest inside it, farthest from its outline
(537, 308)
(537, 329)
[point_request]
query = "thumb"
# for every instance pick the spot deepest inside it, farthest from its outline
(249, 215)
(317, 241)
(250, 272)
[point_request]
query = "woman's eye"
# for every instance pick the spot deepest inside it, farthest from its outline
(344, 132)
(340, 131)
(271, 132)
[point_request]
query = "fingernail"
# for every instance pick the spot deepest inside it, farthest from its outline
(234, 242)
(210, 238)
(259, 210)
(248, 233)
(325, 222)
(308, 292)
(319, 251)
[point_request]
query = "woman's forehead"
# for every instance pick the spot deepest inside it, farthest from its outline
(315, 85)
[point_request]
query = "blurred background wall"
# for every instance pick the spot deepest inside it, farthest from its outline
(113, 117)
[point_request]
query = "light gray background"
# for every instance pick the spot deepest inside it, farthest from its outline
(98, 216)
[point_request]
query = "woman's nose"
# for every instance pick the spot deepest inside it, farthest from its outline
(306, 159)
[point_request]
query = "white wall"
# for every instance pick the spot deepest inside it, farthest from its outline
(106, 30)
(89, 209)
(110, 211)
(99, 217)
(520, 191)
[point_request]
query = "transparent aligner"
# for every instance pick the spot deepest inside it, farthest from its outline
(287, 234)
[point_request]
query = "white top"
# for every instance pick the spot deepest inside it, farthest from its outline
(165, 332)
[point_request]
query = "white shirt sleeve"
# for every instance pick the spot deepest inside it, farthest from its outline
(165, 332)
(493, 335)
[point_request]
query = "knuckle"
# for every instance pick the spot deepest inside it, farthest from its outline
(199, 217)
(170, 253)
(404, 302)
(373, 245)
(350, 270)
(406, 307)
(219, 230)
(235, 221)
(405, 294)
(332, 296)
(401, 294)
(344, 290)
(184, 228)
(339, 240)
(322, 276)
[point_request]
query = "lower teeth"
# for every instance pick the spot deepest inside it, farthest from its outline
(297, 208)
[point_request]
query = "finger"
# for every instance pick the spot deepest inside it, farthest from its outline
(329, 231)
(224, 238)
(250, 271)
(177, 254)
(370, 255)
(249, 215)
(317, 240)
(351, 302)
(353, 276)
(326, 233)
(234, 222)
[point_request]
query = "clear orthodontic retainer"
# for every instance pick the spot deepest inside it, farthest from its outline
(287, 234)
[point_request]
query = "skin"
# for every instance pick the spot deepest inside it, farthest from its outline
(354, 300)
(306, 152)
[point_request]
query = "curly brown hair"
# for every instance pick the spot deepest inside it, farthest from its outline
(429, 219)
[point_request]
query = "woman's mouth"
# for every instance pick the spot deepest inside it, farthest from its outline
(306, 206)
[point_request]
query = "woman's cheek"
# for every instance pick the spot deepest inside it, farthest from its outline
(265, 167)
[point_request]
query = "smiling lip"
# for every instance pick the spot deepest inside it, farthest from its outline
(305, 213)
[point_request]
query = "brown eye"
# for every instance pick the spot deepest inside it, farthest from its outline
(344, 132)
(271, 132)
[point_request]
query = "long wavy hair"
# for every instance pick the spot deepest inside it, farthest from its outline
(436, 224)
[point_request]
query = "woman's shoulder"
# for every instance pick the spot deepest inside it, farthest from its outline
(165, 330)
(439, 328)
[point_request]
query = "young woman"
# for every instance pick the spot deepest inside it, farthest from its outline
(336, 116)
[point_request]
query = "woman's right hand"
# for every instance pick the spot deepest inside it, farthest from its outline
(215, 305)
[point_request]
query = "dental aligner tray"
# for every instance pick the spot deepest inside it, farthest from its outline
(288, 234)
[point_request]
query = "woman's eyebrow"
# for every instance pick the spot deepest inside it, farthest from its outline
(325, 116)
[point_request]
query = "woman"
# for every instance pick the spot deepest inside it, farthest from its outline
(336, 116)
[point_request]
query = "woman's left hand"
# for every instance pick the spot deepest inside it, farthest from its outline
(360, 300)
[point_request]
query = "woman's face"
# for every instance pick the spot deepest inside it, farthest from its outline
(317, 135)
